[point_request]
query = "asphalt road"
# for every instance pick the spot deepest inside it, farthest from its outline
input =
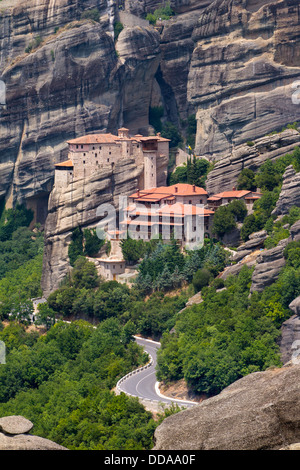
(144, 383)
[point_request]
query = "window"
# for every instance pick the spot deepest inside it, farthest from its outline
(190, 202)
(97, 163)
(108, 159)
(200, 201)
(95, 155)
(77, 146)
(84, 154)
(82, 146)
(84, 162)
(109, 153)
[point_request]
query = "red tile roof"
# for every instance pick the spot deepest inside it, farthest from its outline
(184, 209)
(179, 189)
(229, 194)
(111, 138)
(67, 163)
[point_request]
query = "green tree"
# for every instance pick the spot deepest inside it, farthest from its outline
(223, 222)
(201, 279)
(76, 246)
(92, 243)
(169, 131)
(267, 178)
(84, 274)
(246, 180)
(45, 316)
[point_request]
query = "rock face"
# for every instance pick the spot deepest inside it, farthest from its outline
(231, 62)
(77, 206)
(255, 242)
(13, 436)
(258, 412)
(268, 267)
(290, 338)
(65, 77)
(295, 306)
(242, 69)
(289, 194)
(226, 171)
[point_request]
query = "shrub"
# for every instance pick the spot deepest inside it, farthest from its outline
(224, 221)
(118, 27)
(93, 14)
(201, 279)
(246, 180)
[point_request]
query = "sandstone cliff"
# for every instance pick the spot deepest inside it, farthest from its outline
(77, 206)
(231, 62)
(65, 77)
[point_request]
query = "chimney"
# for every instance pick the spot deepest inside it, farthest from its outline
(176, 189)
(234, 188)
(194, 188)
(123, 132)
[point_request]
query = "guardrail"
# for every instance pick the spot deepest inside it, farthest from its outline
(153, 405)
(130, 374)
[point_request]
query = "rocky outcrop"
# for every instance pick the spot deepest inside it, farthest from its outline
(255, 242)
(290, 334)
(295, 231)
(226, 171)
(77, 206)
(289, 194)
(261, 411)
(14, 436)
(142, 7)
(268, 266)
(295, 306)
(242, 71)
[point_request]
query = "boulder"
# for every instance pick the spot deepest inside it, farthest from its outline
(259, 411)
(27, 442)
(15, 425)
(14, 436)
(295, 306)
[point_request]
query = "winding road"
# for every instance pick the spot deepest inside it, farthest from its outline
(143, 383)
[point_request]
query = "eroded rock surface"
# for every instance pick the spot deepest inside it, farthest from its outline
(259, 411)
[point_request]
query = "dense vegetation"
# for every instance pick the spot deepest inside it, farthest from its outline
(20, 262)
(62, 382)
(63, 379)
(229, 334)
(269, 180)
(84, 243)
(193, 172)
(164, 12)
